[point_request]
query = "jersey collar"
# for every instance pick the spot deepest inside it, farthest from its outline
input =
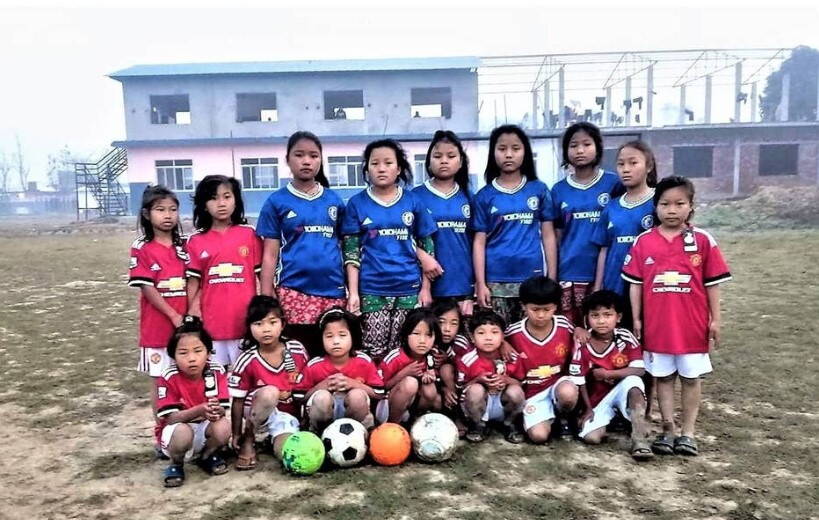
(435, 191)
(382, 203)
(509, 191)
(574, 184)
(300, 194)
(628, 205)
(534, 339)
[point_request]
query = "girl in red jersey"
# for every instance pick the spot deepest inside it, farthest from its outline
(225, 258)
(675, 270)
(157, 267)
(263, 381)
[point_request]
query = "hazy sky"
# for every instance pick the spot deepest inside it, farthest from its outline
(54, 90)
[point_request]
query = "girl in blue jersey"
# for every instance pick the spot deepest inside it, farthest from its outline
(301, 262)
(512, 219)
(625, 217)
(578, 200)
(446, 195)
(381, 227)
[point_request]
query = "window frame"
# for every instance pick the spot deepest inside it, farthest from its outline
(348, 162)
(178, 168)
(155, 115)
(253, 165)
(697, 175)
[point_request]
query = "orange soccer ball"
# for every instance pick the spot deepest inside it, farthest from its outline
(390, 444)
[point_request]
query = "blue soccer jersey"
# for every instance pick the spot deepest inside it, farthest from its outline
(389, 265)
(619, 226)
(453, 240)
(577, 210)
(511, 219)
(307, 225)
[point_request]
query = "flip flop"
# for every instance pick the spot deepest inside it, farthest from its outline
(245, 463)
(213, 465)
(663, 445)
(685, 445)
(174, 476)
(641, 450)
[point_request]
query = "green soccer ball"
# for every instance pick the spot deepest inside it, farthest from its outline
(303, 453)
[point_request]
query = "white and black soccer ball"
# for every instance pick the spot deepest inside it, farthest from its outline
(345, 441)
(434, 437)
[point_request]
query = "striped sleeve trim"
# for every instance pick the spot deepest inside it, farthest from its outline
(137, 281)
(238, 393)
(167, 410)
(631, 279)
(224, 403)
(637, 363)
(724, 277)
(193, 272)
(578, 380)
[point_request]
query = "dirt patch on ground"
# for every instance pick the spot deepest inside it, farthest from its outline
(767, 207)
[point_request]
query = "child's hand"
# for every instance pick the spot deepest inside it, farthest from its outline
(484, 295)
(508, 354)
(600, 374)
(581, 335)
(177, 320)
(354, 303)
(637, 326)
(424, 297)
(344, 383)
(415, 369)
(213, 412)
(588, 415)
(439, 357)
(713, 334)
(428, 377)
(432, 269)
(466, 306)
(450, 397)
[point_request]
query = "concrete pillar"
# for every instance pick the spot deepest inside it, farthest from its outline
(607, 108)
(534, 110)
(681, 118)
(754, 100)
(708, 99)
(561, 97)
(649, 94)
(783, 109)
(547, 106)
(628, 99)
(737, 172)
(737, 92)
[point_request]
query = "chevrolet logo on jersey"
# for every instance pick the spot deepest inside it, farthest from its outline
(177, 283)
(671, 281)
(224, 270)
(542, 372)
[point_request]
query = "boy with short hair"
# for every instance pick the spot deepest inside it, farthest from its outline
(488, 392)
(543, 340)
(608, 368)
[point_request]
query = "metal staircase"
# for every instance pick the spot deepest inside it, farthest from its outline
(98, 189)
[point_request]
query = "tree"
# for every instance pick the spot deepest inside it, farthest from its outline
(5, 171)
(802, 67)
(21, 166)
(60, 162)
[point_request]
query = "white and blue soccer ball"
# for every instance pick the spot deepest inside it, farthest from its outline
(434, 437)
(345, 441)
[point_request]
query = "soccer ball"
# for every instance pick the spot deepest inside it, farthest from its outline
(390, 444)
(434, 437)
(346, 442)
(303, 453)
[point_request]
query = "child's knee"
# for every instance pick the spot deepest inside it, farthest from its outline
(321, 401)
(266, 396)
(474, 394)
(595, 436)
(181, 439)
(539, 433)
(356, 400)
(220, 430)
(636, 398)
(689, 381)
(566, 394)
(429, 394)
(408, 386)
(514, 394)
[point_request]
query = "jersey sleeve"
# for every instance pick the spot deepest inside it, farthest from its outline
(194, 265)
(555, 208)
(168, 400)
(461, 374)
(258, 248)
(602, 233)
(305, 382)
(240, 380)
(546, 211)
(373, 379)
(341, 211)
(578, 366)
(140, 273)
(634, 352)
(480, 213)
(633, 264)
(714, 269)
(224, 391)
(350, 223)
(516, 369)
(424, 224)
(389, 368)
(268, 225)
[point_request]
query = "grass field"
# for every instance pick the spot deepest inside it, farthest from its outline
(77, 429)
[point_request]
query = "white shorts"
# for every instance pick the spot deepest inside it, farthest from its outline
(493, 411)
(153, 361)
(226, 351)
(275, 425)
(541, 407)
(690, 366)
(339, 409)
(382, 412)
(616, 399)
(199, 439)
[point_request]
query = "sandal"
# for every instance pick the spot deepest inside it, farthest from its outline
(245, 462)
(476, 432)
(685, 445)
(174, 475)
(213, 464)
(640, 450)
(513, 434)
(663, 445)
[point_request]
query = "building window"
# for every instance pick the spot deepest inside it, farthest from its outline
(170, 110)
(256, 107)
(345, 172)
(419, 172)
(176, 175)
(609, 161)
(778, 159)
(260, 174)
(344, 104)
(431, 102)
(694, 161)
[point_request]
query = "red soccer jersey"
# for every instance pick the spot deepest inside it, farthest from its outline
(674, 275)
(162, 267)
(623, 352)
(459, 346)
(540, 363)
(252, 372)
(359, 367)
(475, 363)
(176, 392)
(226, 262)
(396, 360)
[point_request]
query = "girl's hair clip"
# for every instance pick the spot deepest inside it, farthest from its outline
(327, 314)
